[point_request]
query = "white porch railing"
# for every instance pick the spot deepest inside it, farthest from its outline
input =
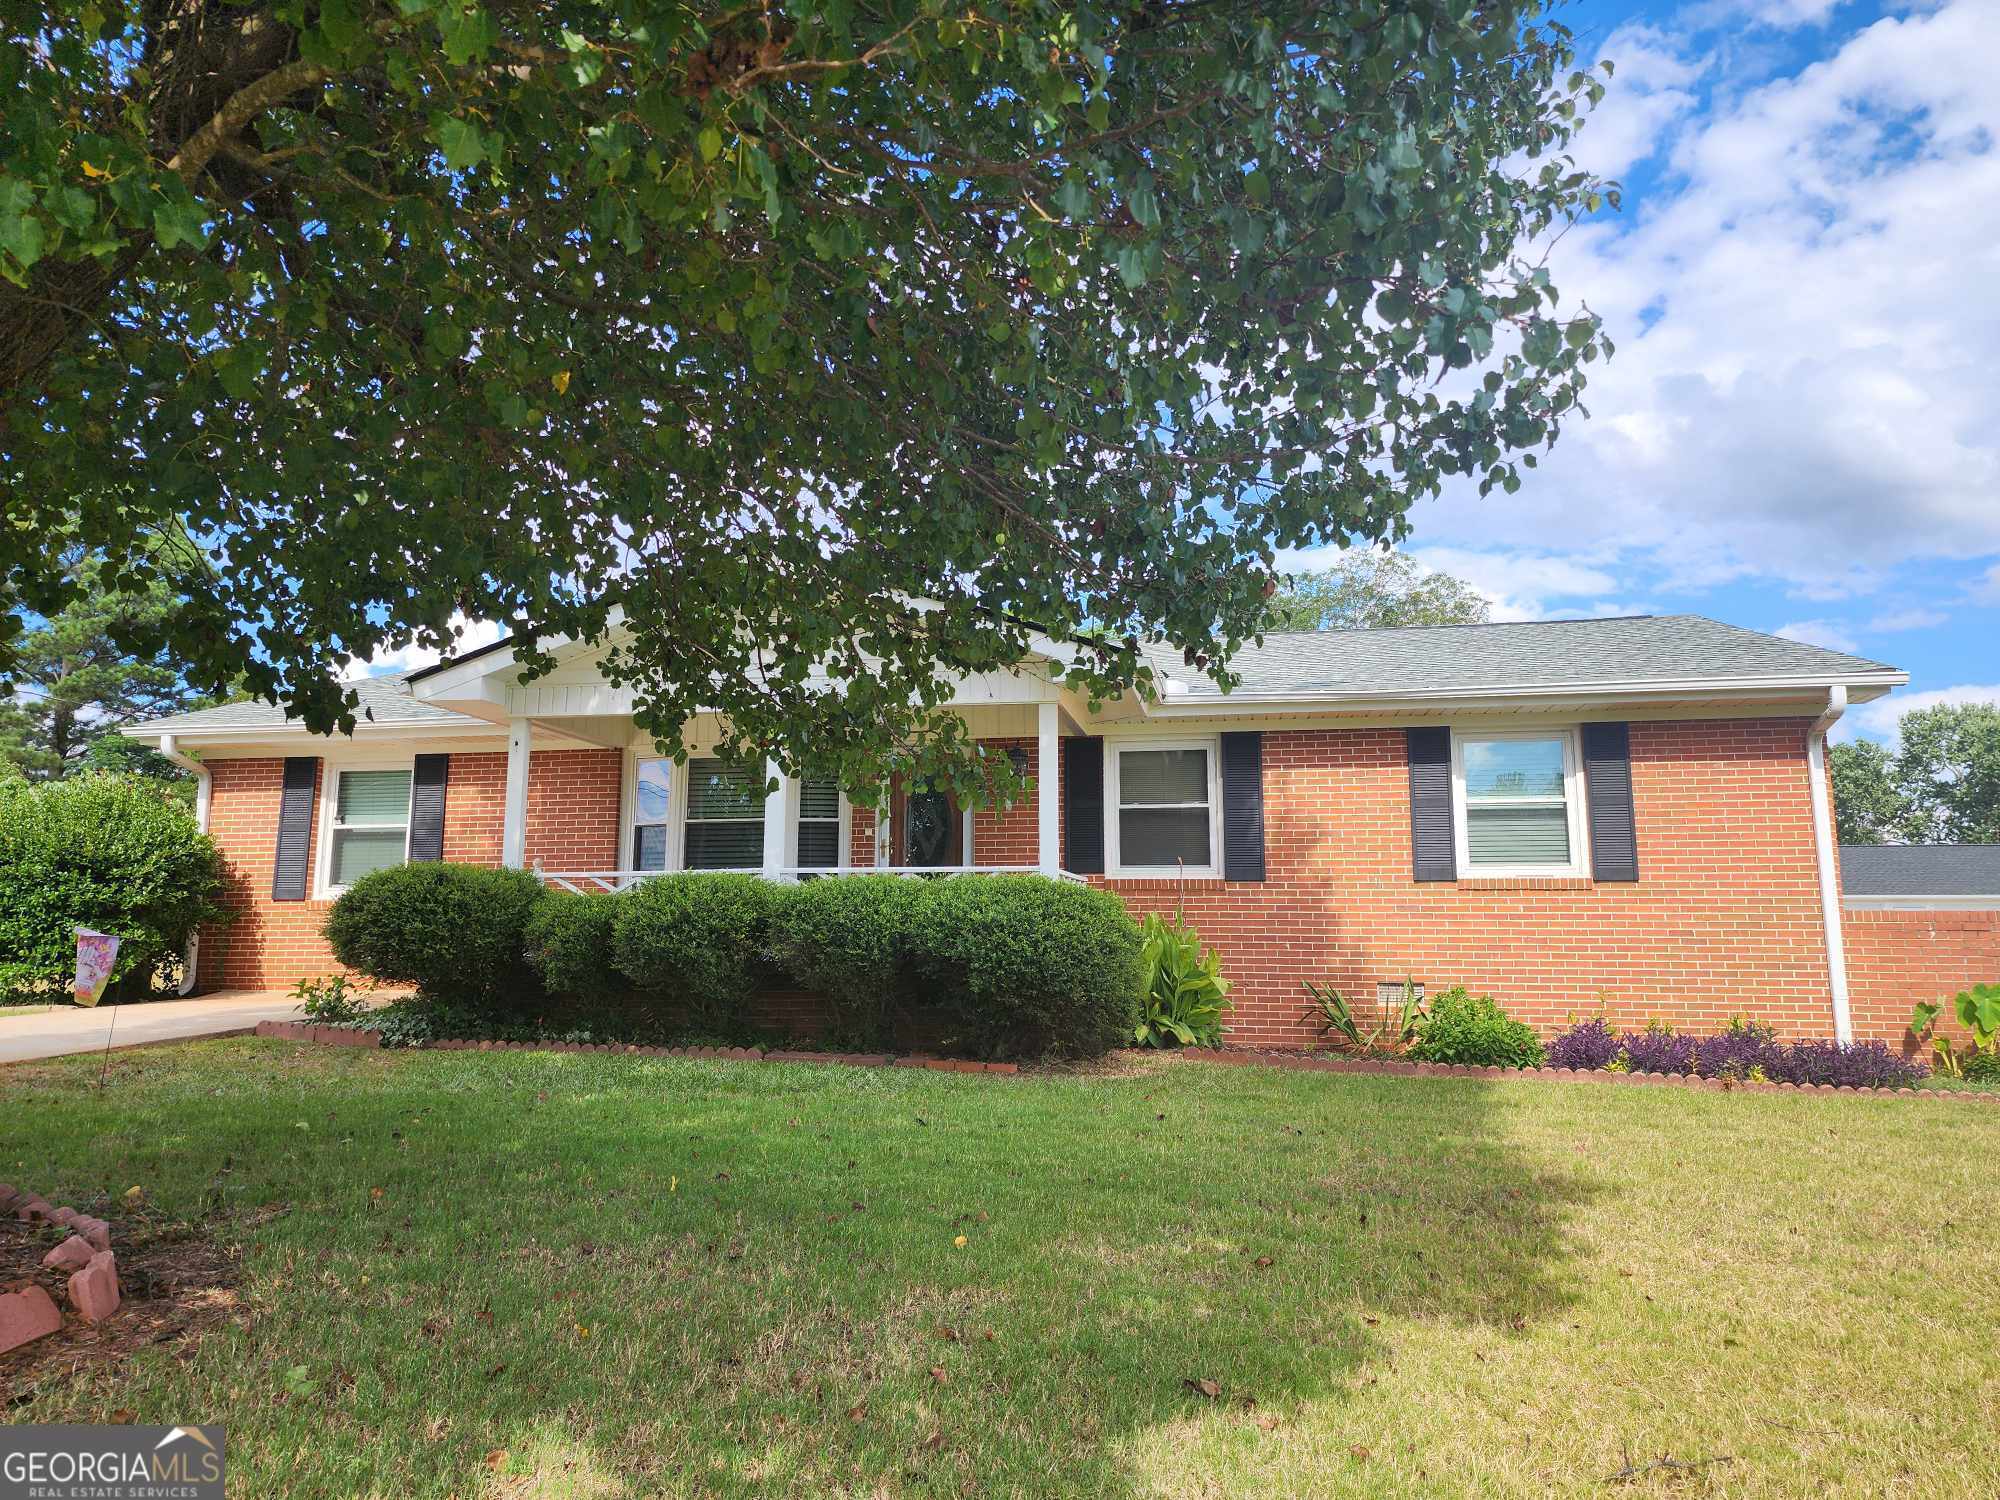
(585, 882)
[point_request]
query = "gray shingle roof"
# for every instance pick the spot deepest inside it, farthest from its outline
(383, 698)
(1544, 653)
(1920, 869)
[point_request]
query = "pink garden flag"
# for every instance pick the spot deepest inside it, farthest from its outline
(96, 952)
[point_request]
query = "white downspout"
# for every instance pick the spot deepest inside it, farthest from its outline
(202, 786)
(1829, 876)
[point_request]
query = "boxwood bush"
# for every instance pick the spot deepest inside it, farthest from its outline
(849, 939)
(1474, 1031)
(456, 932)
(568, 942)
(695, 943)
(1025, 966)
(116, 853)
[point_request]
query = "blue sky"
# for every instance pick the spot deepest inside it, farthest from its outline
(1801, 429)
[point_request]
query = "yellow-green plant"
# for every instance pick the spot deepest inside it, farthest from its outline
(1335, 1017)
(1185, 994)
(1978, 1011)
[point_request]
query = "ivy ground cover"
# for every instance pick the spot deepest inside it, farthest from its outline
(597, 1276)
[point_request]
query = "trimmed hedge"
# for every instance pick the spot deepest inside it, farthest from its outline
(696, 942)
(850, 939)
(456, 932)
(1026, 966)
(569, 943)
(111, 852)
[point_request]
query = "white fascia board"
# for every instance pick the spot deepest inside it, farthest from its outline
(1984, 902)
(1552, 694)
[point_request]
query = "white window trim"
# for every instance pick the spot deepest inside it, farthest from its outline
(684, 784)
(330, 774)
(1578, 865)
(1114, 865)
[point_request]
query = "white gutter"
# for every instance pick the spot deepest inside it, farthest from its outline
(1823, 849)
(203, 784)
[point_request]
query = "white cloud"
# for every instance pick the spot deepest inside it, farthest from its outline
(1649, 90)
(1803, 387)
(468, 635)
(1989, 587)
(1908, 619)
(1878, 719)
(1521, 585)
(1819, 633)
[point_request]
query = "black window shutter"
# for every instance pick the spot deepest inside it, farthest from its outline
(1083, 805)
(427, 807)
(1607, 780)
(1243, 805)
(1433, 853)
(295, 813)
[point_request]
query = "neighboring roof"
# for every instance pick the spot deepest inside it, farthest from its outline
(382, 700)
(1920, 869)
(1543, 653)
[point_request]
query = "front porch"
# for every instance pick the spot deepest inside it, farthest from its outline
(701, 813)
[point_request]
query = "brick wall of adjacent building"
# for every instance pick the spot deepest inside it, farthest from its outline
(1897, 958)
(1724, 919)
(573, 808)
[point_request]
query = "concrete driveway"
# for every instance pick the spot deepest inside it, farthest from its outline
(70, 1028)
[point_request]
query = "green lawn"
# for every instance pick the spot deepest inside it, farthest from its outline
(596, 1276)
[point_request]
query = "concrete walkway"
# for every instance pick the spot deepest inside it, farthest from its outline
(71, 1028)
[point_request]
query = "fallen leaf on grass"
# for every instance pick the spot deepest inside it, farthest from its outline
(940, 1374)
(935, 1441)
(857, 1411)
(1206, 1388)
(496, 1460)
(1263, 1262)
(121, 1418)
(1268, 1424)
(950, 1335)
(959, 1242)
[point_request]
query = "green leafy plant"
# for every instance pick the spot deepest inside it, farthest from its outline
(849, 940)
(1183, 994)
(695, 943)
(1978, 1011)
(1462, 1028)
(453, 931)
(1335, 1017)
(110, 852)
(334, 1000)
(1026, 966)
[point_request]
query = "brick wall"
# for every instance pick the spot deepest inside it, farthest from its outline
(573, 800)
(1725, 917)
(1896, 958)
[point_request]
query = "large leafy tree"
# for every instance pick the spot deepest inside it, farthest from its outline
(1939, 785)
(836, 346)
(1370, 588)
(88, 670)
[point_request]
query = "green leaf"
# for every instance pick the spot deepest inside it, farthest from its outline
(1132, 266)
(71, 207)
(178, 219)
(464, 147)
(710, 142)
(467, 35)
(20, 230)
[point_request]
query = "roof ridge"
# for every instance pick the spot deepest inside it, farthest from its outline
(1477, 625)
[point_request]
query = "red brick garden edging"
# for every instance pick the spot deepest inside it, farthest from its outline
(1321, 1063)
(346, 1036)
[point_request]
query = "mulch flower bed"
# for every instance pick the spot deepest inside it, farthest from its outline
(175, 1282)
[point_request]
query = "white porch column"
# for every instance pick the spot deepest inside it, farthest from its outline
(514, 824)
(1048, 789)
(780, 822)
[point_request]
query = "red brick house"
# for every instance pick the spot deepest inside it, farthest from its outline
(1628, 814)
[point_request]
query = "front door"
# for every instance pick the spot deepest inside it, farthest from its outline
(930, 829)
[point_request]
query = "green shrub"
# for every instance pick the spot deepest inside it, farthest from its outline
(1476, 1032)
(568, 942)
(98, 850)
(1182, 993)
(849, 939)
(1024, 965)
(696, 942)
(456, 932)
